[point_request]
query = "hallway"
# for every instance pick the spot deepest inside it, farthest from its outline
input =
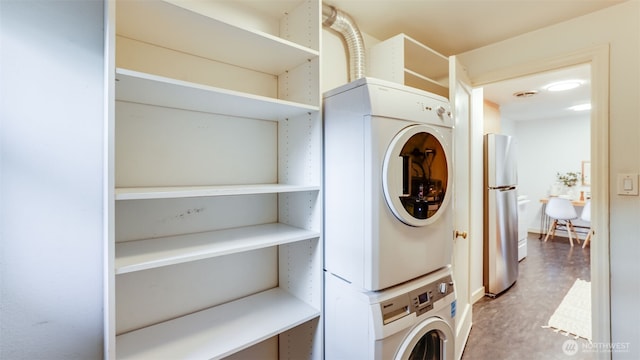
(510, 326)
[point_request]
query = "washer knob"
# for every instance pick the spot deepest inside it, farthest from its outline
(441, 110)
(442, 288)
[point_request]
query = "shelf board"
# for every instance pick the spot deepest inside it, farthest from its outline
(217, 332)
(157, 252)
(205, 36)
(143, 88)
(174, 192)
(419, 81)
(423, 60)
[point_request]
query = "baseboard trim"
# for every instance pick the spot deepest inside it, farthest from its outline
(477, 295)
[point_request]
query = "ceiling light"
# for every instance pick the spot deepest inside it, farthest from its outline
(581, 107)
(527, 93)
(564, 85)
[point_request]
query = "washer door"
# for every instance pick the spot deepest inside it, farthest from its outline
(416, 175)
(431, 340)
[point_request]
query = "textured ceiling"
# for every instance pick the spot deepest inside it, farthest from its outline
(545, 104)
(454, 26)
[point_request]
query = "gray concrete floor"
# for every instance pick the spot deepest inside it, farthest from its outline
(510, 326)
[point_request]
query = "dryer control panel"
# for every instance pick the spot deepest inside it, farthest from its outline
(418, 300)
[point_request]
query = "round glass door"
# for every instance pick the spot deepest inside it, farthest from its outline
(416, 175)
(431, 341)
(429, 347)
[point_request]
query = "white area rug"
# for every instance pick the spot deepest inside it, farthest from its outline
(573, 315)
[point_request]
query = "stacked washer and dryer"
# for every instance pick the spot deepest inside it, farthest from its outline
(389, 292)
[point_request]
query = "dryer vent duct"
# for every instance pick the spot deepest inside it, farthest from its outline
(344, 24)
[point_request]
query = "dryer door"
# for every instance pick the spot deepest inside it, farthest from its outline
(431, 340)
(416, 174)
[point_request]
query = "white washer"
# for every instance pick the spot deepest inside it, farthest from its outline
(388, 183)
(415, 320)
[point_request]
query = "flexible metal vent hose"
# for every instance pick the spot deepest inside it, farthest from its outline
(344, 24)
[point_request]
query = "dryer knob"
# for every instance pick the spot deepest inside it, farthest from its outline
(442, 288)
(441, 110)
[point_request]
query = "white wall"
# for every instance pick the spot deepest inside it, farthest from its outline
(51, 136)
(619, 27)
(546, 147)
(335, 66)
(507, 126)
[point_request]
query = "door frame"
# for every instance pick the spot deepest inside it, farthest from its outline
(598, 58)
(463, 222)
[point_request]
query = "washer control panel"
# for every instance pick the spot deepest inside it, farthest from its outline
(422, 299)
(418, 300)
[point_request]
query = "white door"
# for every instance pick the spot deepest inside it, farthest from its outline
(460, 95)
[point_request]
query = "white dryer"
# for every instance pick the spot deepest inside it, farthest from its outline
(415, 320)
(388, 177)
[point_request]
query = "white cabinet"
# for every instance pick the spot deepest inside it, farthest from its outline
(215, 212)
(406, 61)
(523, 202)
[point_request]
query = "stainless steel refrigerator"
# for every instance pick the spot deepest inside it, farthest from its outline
(500, 214)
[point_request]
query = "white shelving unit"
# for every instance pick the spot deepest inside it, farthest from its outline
(215, 236)
(404, 60)
(137, 87)
(151, 253)
(169, 340)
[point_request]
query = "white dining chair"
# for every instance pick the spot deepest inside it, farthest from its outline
(586, 217)
(562, 212)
